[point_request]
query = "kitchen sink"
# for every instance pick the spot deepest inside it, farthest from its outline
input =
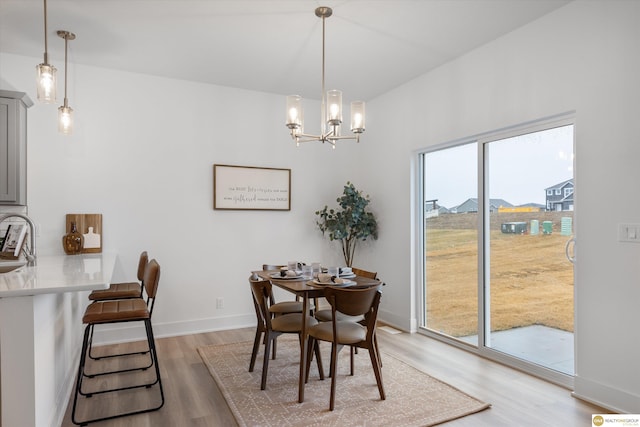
(7, 266)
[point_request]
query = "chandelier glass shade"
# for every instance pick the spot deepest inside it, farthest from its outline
(45, 72)
(330, 110)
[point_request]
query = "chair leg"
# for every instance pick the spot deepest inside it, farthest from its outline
(92, 356)
(316, 349)
(375, 364)
(158, 380)
(265, 363)
(311, 342)
(254, 352)
(375, 343)
(334, 375)
(352, 351)
(153, 360)
(83, 358)
(273, 351)
(313, 347)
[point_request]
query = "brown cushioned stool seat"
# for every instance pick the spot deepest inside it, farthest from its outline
(116, 311)
(126, 289)
(117, 291)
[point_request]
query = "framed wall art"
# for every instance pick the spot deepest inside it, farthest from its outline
(251, 188)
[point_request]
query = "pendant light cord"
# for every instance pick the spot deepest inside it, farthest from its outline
(323, 107)
(66, 40)
(46, 55)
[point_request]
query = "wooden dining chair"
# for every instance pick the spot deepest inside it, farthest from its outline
(324, 315)
(352, 302)
(272, 327)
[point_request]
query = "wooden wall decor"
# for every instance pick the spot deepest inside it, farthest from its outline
(90, 226)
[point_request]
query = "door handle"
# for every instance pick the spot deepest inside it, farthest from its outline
(572, 259)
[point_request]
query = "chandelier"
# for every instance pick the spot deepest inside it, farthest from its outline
(330, 109)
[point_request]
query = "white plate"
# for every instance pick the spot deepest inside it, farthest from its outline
(277, 276)
(348, 276)
(346, 283)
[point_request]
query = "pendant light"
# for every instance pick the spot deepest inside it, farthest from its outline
(330, 110)
(65, 113)
(46, 73)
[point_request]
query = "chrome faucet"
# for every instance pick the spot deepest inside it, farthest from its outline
(31, 254)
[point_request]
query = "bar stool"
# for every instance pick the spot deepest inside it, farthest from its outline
(119, 311)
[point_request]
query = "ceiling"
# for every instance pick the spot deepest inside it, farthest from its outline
(271, 46)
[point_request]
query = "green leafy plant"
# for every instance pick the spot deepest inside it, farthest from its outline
(349, 224)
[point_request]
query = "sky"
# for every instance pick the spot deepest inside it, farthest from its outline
(519, 168)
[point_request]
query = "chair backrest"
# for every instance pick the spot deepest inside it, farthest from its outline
(364, 273)
(142, 265)
(266, 267)
(354, 301)
(151, 281)
(262, 294)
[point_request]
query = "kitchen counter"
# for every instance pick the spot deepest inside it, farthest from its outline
(41, 310)
(61, 273)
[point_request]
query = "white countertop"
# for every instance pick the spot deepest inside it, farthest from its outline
(59, 273)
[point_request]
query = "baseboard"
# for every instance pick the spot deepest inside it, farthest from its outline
(398, 322)
(613, 399)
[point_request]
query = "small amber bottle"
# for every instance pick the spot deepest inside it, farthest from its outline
(72, 242)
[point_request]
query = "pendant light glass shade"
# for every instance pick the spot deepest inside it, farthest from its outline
(357, 117)
(295, 114)
(65, 113)
(46, 83)
(45, 72)
(65, 120)
(334, 107)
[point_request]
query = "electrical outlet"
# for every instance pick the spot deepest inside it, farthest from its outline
(629, 233)
(219, 303)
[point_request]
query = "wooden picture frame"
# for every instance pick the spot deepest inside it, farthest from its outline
(251, 188)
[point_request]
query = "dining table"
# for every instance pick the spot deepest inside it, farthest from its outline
(306, 288)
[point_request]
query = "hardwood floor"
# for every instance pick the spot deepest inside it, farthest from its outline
(192, 397)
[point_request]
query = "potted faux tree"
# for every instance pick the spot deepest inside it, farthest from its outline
(349, 224)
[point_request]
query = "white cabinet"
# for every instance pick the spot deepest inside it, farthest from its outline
(13, 147)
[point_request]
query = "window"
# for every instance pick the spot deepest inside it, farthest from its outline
(478, 280)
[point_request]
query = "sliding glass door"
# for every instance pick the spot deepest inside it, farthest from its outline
(498, 221)
(451, 241)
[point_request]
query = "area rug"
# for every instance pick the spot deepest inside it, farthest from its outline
(413, 398)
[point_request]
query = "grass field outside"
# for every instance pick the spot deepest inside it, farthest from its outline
(531, 280)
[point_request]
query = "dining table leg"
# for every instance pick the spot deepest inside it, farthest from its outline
(303, 347)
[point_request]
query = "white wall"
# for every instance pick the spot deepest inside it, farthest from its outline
(144, 147)
(584, 57)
